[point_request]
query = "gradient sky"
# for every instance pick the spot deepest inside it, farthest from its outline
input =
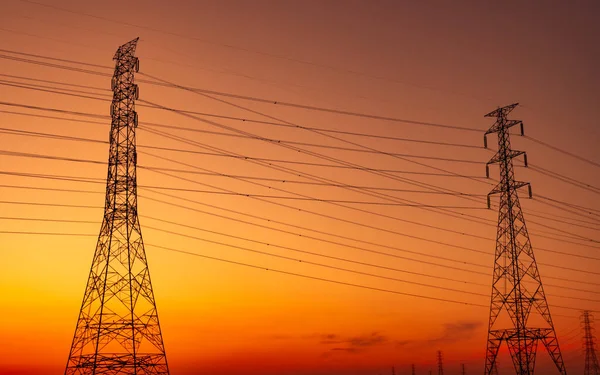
(428, 61)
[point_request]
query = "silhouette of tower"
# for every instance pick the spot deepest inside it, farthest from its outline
(412, 367)
(464, 372)
(517, 289)
(118, 331)
(440, 363)
(495, 369)
(589, 344)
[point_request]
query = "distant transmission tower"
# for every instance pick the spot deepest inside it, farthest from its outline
(464, 372)
(517, 286)
(589, 344)
(440, 363)
(412, 367)
(118, 331)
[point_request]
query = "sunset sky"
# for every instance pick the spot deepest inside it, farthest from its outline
(241, 241)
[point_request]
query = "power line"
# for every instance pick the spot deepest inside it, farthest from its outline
(247, 120)
(158, 170)
(271, 269)
(235, 96)
(372, 251)
(338, 185)
(287, 122)
(57, 136)
(383, 196)
(591, 162)
(274, 141)
(217, 154)
(430, 205)
(281, 103)
(261, 53)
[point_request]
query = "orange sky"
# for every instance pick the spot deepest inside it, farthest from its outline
(428, 62)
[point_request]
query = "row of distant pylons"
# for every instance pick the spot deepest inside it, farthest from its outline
(118, 330)
(589, 344)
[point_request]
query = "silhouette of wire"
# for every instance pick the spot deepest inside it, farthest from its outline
(278, 271)
(563, 151)
(236, 96)
(274, 141)
(381, 195)
(338, 185)
(305, 236)
(242, 119)
(209, 153)
(544, 215)
(415, 205)
(274, 101)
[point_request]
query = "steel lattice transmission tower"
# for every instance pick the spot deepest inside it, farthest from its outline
(440, 363)
(518, 297)
(589, 344)
(118, 331)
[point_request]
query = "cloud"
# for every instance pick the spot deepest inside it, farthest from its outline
(402, 343)
(352, 344)
(369, 340)
(451, 333)
(457, 331)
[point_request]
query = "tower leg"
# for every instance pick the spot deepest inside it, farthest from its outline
(493, 345)
(551, 343)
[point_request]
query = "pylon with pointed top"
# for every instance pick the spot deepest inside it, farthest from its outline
(118, 331)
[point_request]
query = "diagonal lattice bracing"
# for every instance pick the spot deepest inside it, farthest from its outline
(519, 313)
(118, 331)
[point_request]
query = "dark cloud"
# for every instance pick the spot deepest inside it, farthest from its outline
(352, 344)
(457, 331)
(401, 343)
(368, 340)
(451, 332)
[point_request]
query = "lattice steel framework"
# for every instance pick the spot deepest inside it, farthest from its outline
(118, 331)
(517, 286)
(440, 363)
(495, 368)
(589, 345)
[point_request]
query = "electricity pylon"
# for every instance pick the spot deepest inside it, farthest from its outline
(440, 363)
(464, 371)
(589, 344)
(517, 289)
(118, 331)
(412, 367)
